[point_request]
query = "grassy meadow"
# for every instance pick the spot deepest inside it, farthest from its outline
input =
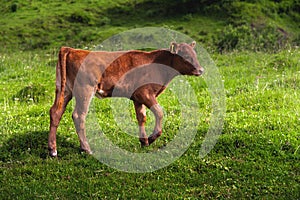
(256, 157)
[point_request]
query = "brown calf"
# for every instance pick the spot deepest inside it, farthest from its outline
(138, 75)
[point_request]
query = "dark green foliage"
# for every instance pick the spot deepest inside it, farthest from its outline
(264, 37)
(14, 7)
(79, 18)
(260, 25)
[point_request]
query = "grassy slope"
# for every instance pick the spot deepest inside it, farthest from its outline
(256, 157)
(37, 24)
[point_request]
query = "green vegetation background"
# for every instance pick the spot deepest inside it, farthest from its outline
(254, 43)
(221, 25)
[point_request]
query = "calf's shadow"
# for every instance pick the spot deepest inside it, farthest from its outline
(34, 144)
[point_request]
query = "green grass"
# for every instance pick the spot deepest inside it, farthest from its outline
(257, 156)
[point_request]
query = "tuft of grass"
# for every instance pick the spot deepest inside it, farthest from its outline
(35, 93)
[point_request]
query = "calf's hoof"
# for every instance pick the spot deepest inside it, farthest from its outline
(52, 153)
(153, 137)
(87, 151)
(144, 142)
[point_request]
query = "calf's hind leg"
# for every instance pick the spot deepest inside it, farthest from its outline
(56, 113)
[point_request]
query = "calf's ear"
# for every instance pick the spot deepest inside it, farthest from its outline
(173, 48)
(193, 44)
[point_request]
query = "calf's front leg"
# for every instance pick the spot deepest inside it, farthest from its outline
(151, 103)
(158, 113)
(140, 111)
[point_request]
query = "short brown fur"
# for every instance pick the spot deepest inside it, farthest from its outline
(138, 75)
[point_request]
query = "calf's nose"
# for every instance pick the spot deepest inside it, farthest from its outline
(201, 70)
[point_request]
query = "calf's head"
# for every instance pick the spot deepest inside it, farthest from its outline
(186, 61)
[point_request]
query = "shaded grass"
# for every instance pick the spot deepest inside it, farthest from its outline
(256, 157)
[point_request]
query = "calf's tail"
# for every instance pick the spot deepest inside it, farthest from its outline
(61, 71)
